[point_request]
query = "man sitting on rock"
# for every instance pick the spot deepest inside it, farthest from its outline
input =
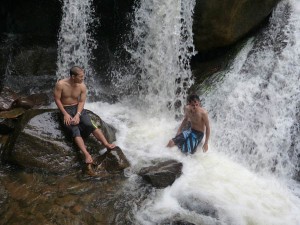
(70, 96)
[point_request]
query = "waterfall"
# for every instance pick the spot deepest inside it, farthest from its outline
(161, 49)
(75, 41)
(255, 110)
(247, 175)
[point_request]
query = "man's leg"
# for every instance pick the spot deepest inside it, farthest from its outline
(80, 143)
(100, 137)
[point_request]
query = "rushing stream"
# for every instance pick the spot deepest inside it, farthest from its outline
(247, 177)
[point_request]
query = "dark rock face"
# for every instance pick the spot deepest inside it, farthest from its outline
(28, 36)
(31, 101)
(30, 17)
(29, 31)
(162, 174)
(39, 142)
(219, 24)
(7, 96)
(6, 126)
(3, 198)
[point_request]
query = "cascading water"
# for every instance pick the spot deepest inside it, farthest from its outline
(75, 41)
(255, 109)
(246, 176)
(161, 49)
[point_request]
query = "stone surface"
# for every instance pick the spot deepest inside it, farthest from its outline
(162, 174)
(6, 126)
(31, 101)
(39, 142)
(3, 198)
(219, 24)
(113, 160)
(7, 96)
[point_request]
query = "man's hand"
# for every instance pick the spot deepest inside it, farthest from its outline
(67, 119)
(205, 147)
(75, 120)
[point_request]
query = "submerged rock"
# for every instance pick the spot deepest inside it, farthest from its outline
(39, 142)
(162, 174)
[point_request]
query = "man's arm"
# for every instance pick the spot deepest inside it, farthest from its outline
(57, 99)
(82, 99)
(184, 121)
(80, 106)
(207, 131)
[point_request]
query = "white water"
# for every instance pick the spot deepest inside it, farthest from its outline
(252, 113)
(75, 40)
(161, 50)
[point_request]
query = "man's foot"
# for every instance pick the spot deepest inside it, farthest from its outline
(110, 146)
(89, 159)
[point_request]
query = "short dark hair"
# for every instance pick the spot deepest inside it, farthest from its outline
(75, 70)
(193, 97)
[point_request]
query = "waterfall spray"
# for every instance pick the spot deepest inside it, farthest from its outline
(161, 49)
(255, 109)
(75, 42)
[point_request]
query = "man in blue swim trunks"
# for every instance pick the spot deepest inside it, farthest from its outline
(196, 118)
(70, 96)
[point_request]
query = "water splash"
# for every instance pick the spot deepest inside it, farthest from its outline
(161, 49)
(75, 41)
(254, 110)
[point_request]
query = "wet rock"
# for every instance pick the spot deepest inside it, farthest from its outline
(7, 96)
(76, 209)
(114, 160)
(3, 199)
(219, 24)
(31, 101)
(111, 161)
(14, 113)
(39, 142)
(6, 126)
(162, 174)
(3, 140)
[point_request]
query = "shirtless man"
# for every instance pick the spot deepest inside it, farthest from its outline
(70, 96)
(188, 140)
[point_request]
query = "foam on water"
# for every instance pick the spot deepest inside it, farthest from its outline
(213, 189)
(246, 176)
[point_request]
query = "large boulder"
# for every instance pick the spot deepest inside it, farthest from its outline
(40, 142)
(221, 23)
